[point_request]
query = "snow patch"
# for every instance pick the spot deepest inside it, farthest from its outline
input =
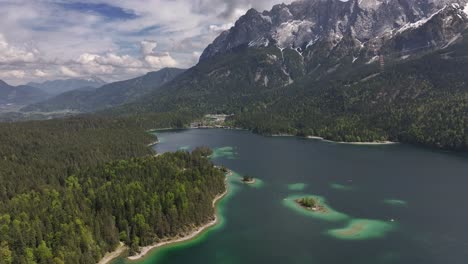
(466, 9)
(258, 75)
(293, 32)
(312, 41)
(290, 80)
(266, 81)
(374, 59)
(453, 40)
(419, 23)
(267, 18)
(272, 57)
(260, 42)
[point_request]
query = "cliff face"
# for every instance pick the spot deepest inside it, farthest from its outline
(365, 23)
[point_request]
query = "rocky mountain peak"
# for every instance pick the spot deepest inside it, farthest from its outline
(301, 24)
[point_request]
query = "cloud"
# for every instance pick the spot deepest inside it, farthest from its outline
(68, 72)
(220, 28)
(114, 39)
(15, 54)
(39, 73)
(161, 60)
(109, 59)
(12, 74)
(148, 46)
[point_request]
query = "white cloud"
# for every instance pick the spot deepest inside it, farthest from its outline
(68, 72)
(109, 59)
(15, 54)
(161, 60)
(39, 73)
(12, 74)
(220, 28)
(148, 46)
(67, 42)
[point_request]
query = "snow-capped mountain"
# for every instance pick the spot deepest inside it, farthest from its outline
(373, 25)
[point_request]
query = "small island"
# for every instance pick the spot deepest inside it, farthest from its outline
(314, 206)
(310, 203)
(248, 179)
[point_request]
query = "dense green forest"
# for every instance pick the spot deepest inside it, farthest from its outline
(72, 189)
(407, 103)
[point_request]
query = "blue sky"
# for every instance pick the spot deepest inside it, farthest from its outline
(112, 39)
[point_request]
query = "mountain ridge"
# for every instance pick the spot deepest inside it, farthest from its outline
(20, 95)
(304, 23)
(109, 95)
(55, 87)
(314, 91)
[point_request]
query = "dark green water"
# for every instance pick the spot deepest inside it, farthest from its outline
(424, 191)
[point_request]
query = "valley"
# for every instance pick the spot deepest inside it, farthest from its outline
(159, 131)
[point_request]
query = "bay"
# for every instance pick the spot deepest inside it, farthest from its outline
(409, 201)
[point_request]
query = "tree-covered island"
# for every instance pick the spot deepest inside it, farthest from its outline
(248, 179)
(310, 203)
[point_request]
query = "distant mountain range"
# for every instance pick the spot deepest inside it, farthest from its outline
(56, 87)
(357, 70)
(20, 95)
(109, 95)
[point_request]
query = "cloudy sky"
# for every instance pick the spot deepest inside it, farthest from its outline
(111, 39)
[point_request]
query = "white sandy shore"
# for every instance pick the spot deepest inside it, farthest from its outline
(249, 182)
(370, 143)
(195, 233)
(354, 143)
(160, 129)
(282, 135)
(153, 143)
(112, 255)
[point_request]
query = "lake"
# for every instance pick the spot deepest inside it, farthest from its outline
(391, 203)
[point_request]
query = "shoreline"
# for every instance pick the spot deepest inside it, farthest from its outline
(109, 256)
(197, 231)
(153, 143)
(249, 182)
(354, 143)
(371, 143)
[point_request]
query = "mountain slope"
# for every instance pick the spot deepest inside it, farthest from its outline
(342, 70)
(20, 95)
(56, 87)
(109, 95)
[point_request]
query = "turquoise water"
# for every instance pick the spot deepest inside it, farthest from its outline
(400, 204)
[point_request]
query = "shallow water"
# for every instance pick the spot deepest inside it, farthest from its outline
(367, 184)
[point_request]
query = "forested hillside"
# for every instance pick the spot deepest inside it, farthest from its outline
(421, 100)
(72, 189)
